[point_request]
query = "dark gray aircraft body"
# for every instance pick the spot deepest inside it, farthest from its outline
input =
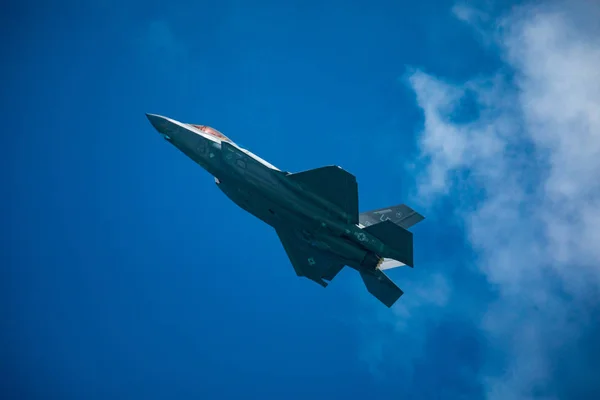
(315, 212)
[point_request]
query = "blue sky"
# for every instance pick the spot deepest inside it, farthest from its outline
(127, 274)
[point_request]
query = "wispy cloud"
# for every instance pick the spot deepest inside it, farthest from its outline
(527, 166)
(419, 309)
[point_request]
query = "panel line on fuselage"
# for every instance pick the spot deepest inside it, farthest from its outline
(219, 140)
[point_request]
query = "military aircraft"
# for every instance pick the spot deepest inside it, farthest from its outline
(314, 212)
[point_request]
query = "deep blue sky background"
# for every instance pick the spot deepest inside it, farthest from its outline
(127, 274)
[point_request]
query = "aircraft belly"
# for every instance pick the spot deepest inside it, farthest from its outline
(247, 199)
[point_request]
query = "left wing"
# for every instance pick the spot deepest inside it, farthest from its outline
(307, 260)
(333, 184)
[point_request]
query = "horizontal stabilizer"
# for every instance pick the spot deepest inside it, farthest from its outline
(401, 215)
(333, 184)
(397, 240)
(382, 287)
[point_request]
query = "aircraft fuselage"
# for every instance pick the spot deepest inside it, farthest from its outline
(264, 191)
(315, 212)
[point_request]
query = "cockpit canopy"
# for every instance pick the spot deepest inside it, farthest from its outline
(211, 131)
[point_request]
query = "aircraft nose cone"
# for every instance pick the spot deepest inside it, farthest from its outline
(161, 124)
(155, 120)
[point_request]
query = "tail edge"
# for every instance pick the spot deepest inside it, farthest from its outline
(381, 287)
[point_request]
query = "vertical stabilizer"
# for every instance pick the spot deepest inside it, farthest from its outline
(401, 215)
(397, 240)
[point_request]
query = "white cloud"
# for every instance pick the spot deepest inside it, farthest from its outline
(530, 163)
(434, 292)
(418, 309)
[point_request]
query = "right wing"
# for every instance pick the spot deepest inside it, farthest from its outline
(402, 215)
(307, 260)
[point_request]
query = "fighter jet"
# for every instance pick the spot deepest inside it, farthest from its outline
(314, 212)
